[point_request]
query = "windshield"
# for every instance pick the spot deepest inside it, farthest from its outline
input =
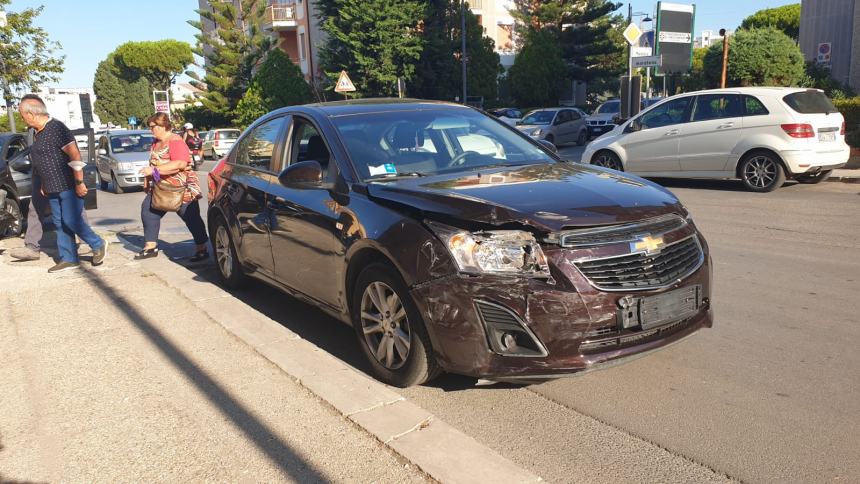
(539, 117)
(610, 107)
(432, 141)
(131, 143)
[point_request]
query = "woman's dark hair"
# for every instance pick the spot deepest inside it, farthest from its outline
(160, 119)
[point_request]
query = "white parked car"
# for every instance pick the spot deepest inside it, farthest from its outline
(218, 142)
(510, 116)
(760, 135)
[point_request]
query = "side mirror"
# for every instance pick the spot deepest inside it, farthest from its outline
(21, 164)
(102, 151)
(305, 174)
(546, 144)
(633, 127)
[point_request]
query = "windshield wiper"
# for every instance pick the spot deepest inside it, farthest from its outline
(389, 176)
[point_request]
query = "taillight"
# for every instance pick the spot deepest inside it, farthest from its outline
(842, 129)
(799, 130)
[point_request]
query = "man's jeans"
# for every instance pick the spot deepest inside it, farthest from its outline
(38, 209)
(66, 210)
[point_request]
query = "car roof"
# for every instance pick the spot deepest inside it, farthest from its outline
(126, 132)
(371, 105)
(225, 129)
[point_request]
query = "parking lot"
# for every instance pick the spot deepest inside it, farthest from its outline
(768, 394)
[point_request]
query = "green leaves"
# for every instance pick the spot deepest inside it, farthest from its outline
(785, 18)
(118, 98)
(757, 57)
(278, 83)
(538, 71)
(31, 59)
(159, 62)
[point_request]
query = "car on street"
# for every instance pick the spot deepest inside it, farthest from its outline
(509, 115)
(218, 142)
(15, 184)
(120, 155)
(510, 265)
(557, 125)
(606, 115)
(760, 135)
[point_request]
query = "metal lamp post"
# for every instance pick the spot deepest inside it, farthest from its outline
(5, 84)
(463, 47)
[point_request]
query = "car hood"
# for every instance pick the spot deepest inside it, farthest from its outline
(132, 157)
(548, 197)
(528, 128)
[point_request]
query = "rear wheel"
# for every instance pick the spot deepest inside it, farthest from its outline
(229, 269)
(813, 179)
(103, 185)
(550, 138)
(16, 227)
(582, 139)
(761, 172)
(390, 329)
(607, 159)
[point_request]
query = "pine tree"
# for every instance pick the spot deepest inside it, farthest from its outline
(232, 54)
(375, 41)
(118, 98)
(538, 70)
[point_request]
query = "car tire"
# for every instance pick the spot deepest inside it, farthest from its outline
(582, 139)
(813, 179)
(103, 185)
(229, 269)
(551, 139)
(607, 159)
(14, 209)
(761, 171)
(379, 332)
(116, 188)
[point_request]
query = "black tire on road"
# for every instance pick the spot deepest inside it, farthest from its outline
(116, 188)
(390, 329)
(14, 209)
(550, 138)
(607, 159)
(761, 171)
(813, 179)
(103, 185)
(229, 269)
(582, 140)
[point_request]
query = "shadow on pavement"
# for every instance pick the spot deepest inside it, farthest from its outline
(278, 452)
(719, 185)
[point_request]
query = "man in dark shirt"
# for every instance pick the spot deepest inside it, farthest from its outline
(53, 149)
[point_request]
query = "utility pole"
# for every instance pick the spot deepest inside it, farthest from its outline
(629, 66)
(725, 57)
(5, 85)
(463, 47)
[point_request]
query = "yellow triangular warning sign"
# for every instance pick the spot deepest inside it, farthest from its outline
(343, 83)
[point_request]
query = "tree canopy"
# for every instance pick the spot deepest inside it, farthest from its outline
(157, 61)
(118, 98)
(30, 57)
(278, 83)
(785, 18)
(375, 41)
(538, 71)
(757, 57)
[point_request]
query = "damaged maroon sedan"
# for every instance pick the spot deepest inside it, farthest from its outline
(451, 242)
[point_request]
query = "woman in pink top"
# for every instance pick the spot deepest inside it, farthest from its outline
(170, 161)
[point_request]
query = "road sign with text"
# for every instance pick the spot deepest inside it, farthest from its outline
(648, 61)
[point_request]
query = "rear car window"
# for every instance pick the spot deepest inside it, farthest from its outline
(754, 107)
(809, 102)
(228, 134)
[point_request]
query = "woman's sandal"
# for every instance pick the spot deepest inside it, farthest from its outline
(147, 254)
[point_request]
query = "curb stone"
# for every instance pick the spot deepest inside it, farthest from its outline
(443, 452)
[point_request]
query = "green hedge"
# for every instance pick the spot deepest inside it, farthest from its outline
(850, 109)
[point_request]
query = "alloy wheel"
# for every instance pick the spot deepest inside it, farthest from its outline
(223, 252)
(606, 160)
(385, 325)
(14, 229)
(761, 171)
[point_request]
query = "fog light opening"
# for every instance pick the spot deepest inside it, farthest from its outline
(507, 335)
(509, 342)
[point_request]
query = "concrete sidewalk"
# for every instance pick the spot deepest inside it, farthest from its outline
(138, 372)
(845, 175)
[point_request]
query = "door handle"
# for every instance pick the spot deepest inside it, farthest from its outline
(671, 132)
(726, 125)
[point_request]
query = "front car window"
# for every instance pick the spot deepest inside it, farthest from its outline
(15, 147)
(258, 146)
(539, 117)
(131, 143)
(717, 106)
(668, 113)
(396, 143)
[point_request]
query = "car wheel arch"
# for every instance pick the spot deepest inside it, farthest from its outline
(621, 159)
(751, 151)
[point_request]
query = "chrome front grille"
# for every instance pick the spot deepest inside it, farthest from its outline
(614, 234)
(641, 271)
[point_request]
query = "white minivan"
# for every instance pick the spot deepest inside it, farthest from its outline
(761, 135)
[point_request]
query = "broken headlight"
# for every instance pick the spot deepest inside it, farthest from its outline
(494, 251)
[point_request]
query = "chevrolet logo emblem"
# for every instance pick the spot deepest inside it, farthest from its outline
(648, 244)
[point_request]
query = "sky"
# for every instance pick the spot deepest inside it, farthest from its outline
(89, 30)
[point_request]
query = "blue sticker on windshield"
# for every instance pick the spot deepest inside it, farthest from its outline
(389, 168)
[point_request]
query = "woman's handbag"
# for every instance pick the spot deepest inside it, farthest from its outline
(167, 197)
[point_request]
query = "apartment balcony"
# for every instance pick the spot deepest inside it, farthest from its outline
(475, 4)
(280, 17)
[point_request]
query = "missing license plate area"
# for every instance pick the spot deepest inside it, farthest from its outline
(653, 311)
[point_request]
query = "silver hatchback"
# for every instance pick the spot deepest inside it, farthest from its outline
(557, 125)
(120, 156)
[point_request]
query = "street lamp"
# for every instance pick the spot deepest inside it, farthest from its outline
(5, 85)
(646, 17)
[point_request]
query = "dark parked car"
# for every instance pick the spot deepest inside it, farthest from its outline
(14, 182)
(505, 265)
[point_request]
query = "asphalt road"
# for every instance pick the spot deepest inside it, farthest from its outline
(770, 394)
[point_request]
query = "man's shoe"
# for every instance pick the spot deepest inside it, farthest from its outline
(200, 256)
(25, 253)
(64, 266)
(100, 253)
(147, 254)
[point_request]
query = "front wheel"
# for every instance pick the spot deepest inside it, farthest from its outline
(390, 329)
(116, 188)
(229, 268)
(814, 179)
(16, 227)
(761, 172)
(582, 139)
(607, 159)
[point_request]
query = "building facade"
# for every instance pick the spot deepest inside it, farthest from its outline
(494, 16)
(830, 35)
(72, 106)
